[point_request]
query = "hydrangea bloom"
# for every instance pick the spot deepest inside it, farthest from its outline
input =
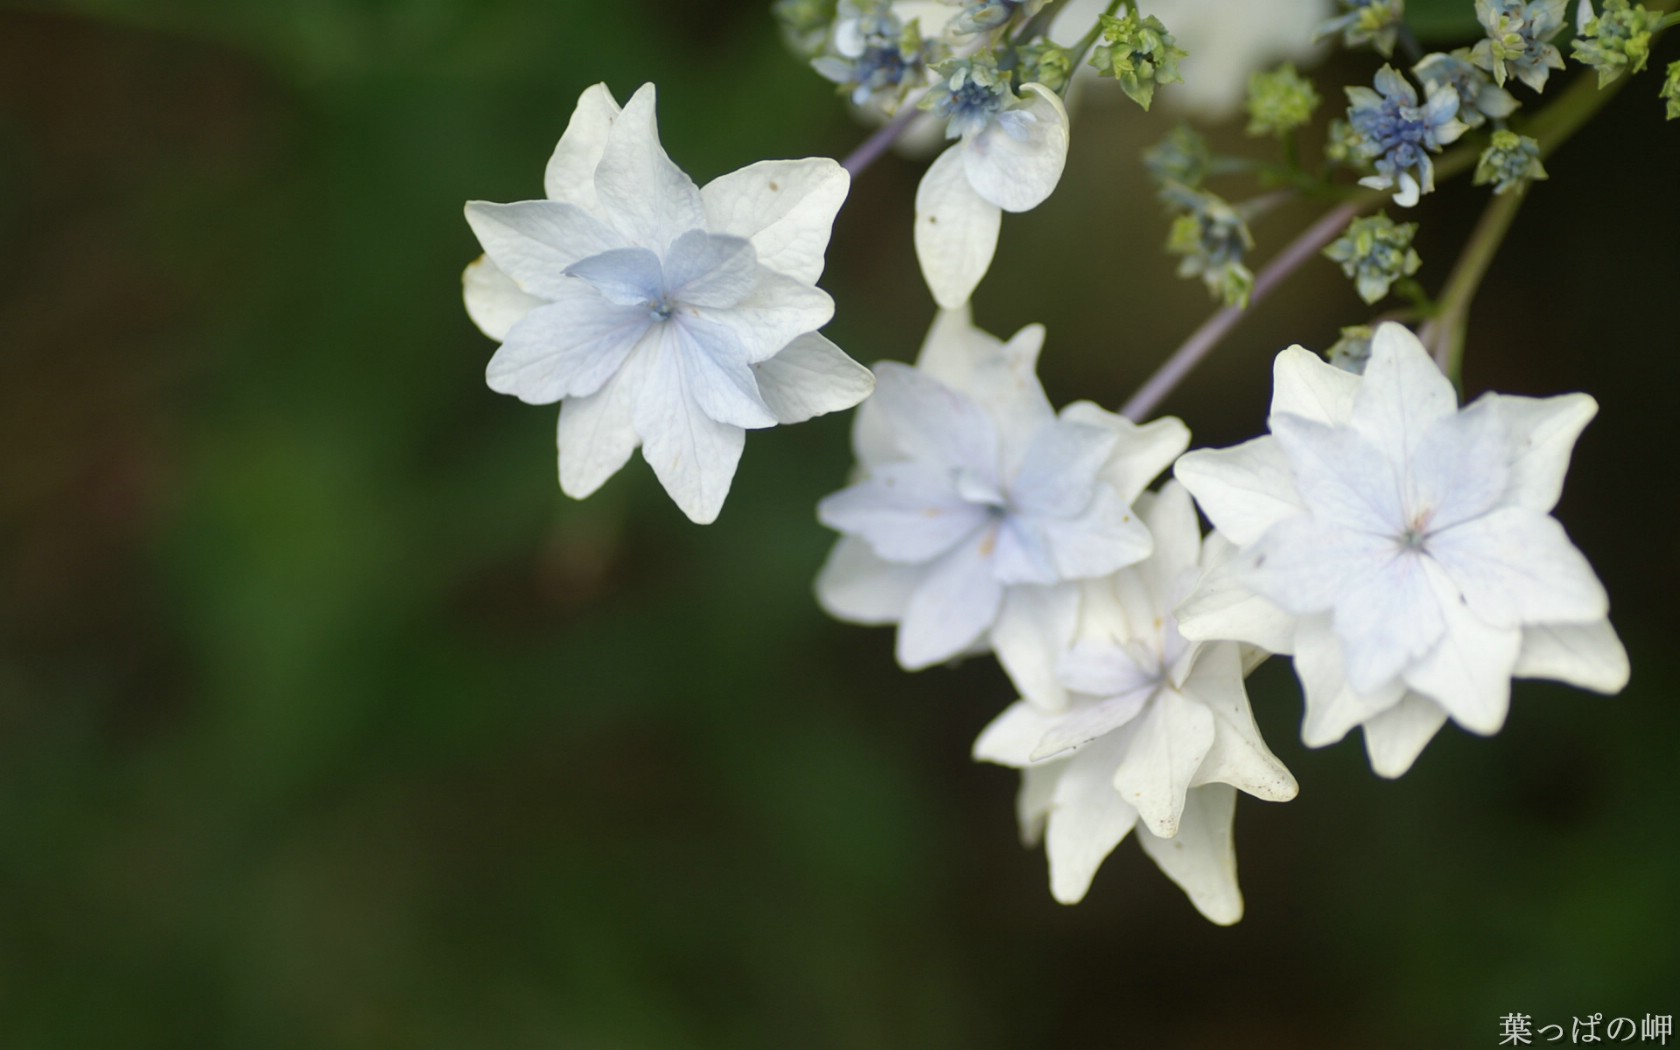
(976, 505)
(1157, 733)
(1397, 135)
(1402, 549)
(1516, 43)
(660, 314)
(1009, 158)
(1479, 98)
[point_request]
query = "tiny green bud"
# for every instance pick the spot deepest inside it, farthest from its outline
(1212, 238)
(1044, 63)
(1509, 161)
(1280, 101)
(1139, 53)
(1670, 92)
(1182, 157)
(1353, 349)
(1617, 41)
(1344, 147)
(1376, 251)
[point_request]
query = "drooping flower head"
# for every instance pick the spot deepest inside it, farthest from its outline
(658, 313)
(1397, 135)
(1402, 549)
(977, 507)
(1156, 735)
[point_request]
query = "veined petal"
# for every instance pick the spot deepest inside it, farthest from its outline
(1164, 754)
(493, 301)
(1244, 490)
(811, 377)
(1387, 618)
(1072, 730)
(597, 433)
(907, 512)
(773, 314)
(623, 276)
(1023, 553)
(534, 242)
(720, 381)
(1469, 671)
(571, 169)
(1542, 432)
(1016, 160)
(1238, 756)
(952, 608)
(1333, 706)
(1305, 385)
(785, 207)
(709, 270)
(931, 423)
(1305, 566)
(857, 586)
(1058, 472)
(1588, 655)
(1009, 739)
(1396, 737)
(1107, 536)
(1001, 377)
(1223, 607)
(569, 347)
(1144, 451)
(1034, 628)
(644, 196)
(1106, 669)
(1346, 480)
(956, 231)
(1088, 818)
(1403, 393)
(693, 456)
(1461, 467)
(1202, 857)
(1516, 566)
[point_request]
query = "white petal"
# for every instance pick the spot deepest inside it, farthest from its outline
(493, 301)
(1170, 516)
(1238, 756)
(1305, 385)
(956, 231)
(693, 456)
(1389, 618)
(597, 433)
(907, 512)
(1395, 738)
(1087, 820)
(622, 276)
(857, 586)
(1346, 479)
(811, 377)
(1016, 160)
(1516, 566)
(785, 207)
(720, 380)
(1023, 554)
(1074, 729)
(1403, 393)
(1034, 799)
(1009, 739)
(1542, 432)
(1469, 672)
(642, 194)
(708, 270)
(1244, 490)
(534, 242)
(1305, 566)
(1202, 857)
(1105, 668)
(569, 347)
(1588, 655)
(571, 170)
(954, 606)
(1164, 754)
(1001, 377)
(1332, 706)
(777, 311)
(1106, 537)
(1461, 467)
(1144, 451)
(1059, 469)
(931, 423)
(1034, 628)
(1222, 607)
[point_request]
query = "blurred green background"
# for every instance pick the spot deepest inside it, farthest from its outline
(326, 721)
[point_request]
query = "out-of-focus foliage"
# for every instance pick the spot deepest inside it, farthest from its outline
(326, 721)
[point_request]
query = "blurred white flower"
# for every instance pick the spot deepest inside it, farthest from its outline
(976, 506)
(1402, 549)
(660, 314)
(1158, 733)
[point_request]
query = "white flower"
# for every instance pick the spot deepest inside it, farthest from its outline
(1402, 549)
(976, 505)
(1009, 159)
(658, 313)
(1226, 43)
(1158, 735)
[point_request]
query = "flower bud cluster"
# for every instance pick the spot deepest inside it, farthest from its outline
(1509, 162)
(875, 57)
(1376, 251)
(1213, 239)
(1280, 101)
(1617, 41)
(1516, 43)
(1397, 134)
(1139, 53)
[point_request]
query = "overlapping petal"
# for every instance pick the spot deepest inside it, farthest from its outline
(956, 230)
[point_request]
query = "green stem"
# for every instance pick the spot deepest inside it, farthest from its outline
(1444, 334)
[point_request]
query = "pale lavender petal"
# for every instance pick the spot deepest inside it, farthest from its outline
(705, 269)
(1059, 470)
(1515, 566)
(857, 586)
(1098, 668)
(693, 456)
(567, 348)
(720, 380)
(1223, 607)
(1023, 553)
(623, 276)
(1108, 536)
(1034, 628)
(1342, 477)
(1403, 393)
(907, 512)
(1469, 672)
(811, 377)
(534, 242)
(773, 314)
(1388, 618)
(1333, 706)
(1144, 451)
(642, 194)
(597, 433)
(1305, 566)
(571, 169)
(493, 301)
(953, 607)
(932, 423)
(785, 207)
(1460, 469)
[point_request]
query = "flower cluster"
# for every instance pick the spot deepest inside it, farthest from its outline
(1397, 135)
(1212, 240)
(875, 56)
(1374, 22)
(1376, 251)
(1516, 43)
(1617, 41)
(1479, 98)
(1138, 53)
(1510, 162)
(1280, 101)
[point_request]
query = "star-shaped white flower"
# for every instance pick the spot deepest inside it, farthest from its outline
(658, 313)
(977, 506)
(1158, 733)
(1402, 549)
(1007, 160)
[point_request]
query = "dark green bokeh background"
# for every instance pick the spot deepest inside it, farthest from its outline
(326, 721)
